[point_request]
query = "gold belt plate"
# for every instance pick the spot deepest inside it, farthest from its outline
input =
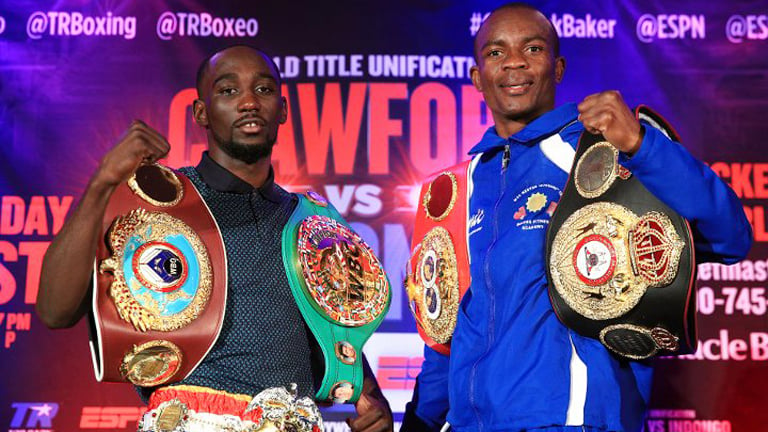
(604, 258)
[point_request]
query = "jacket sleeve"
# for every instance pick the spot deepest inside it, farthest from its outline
(721, 232)
(429, 406)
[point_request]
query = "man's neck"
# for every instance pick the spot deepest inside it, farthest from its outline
(506, 128)
(254, 174)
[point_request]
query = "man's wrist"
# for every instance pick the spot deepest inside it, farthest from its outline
(638, 143)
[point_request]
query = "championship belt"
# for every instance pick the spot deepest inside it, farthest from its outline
(620, 263)
(160, 281)
(438, 270)
(193, 408)
(341, 290)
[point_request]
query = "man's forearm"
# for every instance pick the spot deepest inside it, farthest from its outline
(68, 262)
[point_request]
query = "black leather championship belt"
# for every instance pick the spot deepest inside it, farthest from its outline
(160, 281)
(621, 263)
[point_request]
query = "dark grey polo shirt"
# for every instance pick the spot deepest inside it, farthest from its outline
(264, 341)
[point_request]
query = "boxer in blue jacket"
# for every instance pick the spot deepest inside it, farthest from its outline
(513, 366)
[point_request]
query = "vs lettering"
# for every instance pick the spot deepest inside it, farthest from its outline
(361, 200)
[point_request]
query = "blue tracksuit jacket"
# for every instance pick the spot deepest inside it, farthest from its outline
(513, 365)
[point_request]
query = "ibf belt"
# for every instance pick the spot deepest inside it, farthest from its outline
(341, 290)
(160, 281)
(621, 263)
(438, 270)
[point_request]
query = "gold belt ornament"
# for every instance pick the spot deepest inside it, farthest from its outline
(604, 257)
(435, 290)
(344, 277)
(162, 274)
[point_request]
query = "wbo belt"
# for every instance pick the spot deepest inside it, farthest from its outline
(620, 263)
(159, 281)
(438, 269)
(188, 408)
(341, 290)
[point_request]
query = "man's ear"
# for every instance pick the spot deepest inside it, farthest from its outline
(200, 113)
(474, 74)
(284, 113)
(559, 69)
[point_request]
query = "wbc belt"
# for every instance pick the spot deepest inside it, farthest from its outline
(160, 281)
(620, 263)
(438, 270)
(341, 290)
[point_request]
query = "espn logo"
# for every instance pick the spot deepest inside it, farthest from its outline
(110, 417)
(398, 373)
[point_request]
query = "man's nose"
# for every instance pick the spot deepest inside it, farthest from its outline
(248, 102)
(515, 60)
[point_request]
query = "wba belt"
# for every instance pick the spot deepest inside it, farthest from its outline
(438, 270)
(341, 290)
(621, 263)
(160, 281)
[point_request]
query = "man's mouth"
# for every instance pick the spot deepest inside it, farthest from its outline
(517, 87)
(250, 125)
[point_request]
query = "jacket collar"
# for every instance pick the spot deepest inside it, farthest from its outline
(548, 124)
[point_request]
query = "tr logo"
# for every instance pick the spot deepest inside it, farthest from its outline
(36, 414)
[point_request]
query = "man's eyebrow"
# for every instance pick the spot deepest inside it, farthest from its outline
(267, 76)
(491, 42)
(233, 76)
(497, 42)
(536, 38)
(224, 77)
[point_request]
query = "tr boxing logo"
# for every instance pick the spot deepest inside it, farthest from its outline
(33, 415)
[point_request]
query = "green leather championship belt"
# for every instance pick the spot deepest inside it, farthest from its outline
(341, 289)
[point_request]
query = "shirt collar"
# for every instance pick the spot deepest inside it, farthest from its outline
(547, 124)
(222, 180)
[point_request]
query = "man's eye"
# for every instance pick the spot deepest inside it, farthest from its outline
(535, 48)
(265, 90)
(228, 91)
(494, 53)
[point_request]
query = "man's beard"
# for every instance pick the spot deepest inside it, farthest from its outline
(248, 153)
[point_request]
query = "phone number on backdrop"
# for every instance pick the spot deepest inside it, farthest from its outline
(732, 300)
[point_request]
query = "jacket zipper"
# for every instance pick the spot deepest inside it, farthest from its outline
(489, 286)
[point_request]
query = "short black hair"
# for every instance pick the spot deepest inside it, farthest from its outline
(203, 68)
(518, 5)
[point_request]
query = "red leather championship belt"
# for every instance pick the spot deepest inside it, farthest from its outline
(160, 281)
(620, 263)
(438, 270)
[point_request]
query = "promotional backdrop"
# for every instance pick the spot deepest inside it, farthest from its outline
(379, 97)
